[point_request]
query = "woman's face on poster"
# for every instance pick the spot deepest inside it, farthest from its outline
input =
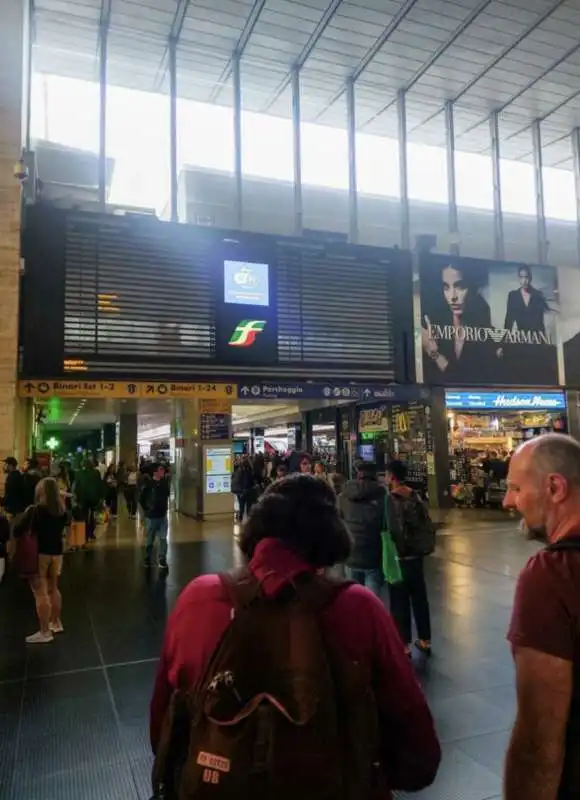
(454, 289)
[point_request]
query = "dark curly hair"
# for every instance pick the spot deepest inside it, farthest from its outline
(301, 511)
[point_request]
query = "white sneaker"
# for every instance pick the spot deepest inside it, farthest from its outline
(39, 638)
(56, 627)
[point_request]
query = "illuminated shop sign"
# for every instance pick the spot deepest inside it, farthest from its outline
(515, 401)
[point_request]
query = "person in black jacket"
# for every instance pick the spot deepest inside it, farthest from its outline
(13, 488)
(155, 503)
(409, 520)
(244, 486)
(362, 503)
(4, 539)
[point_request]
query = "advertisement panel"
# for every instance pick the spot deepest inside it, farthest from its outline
(487, 322)
(569, 322)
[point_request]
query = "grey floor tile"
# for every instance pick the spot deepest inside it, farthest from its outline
(459, 778)
(467, 715)
(96, 781)
(488, 750)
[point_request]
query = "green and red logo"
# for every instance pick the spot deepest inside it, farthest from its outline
(246, 331)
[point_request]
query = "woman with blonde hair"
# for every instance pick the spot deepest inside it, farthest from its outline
(46, 520)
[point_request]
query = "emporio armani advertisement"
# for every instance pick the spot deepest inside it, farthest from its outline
(488, 323)
(246, 330)
(569, 322)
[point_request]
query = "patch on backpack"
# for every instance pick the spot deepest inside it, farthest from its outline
(214, 762)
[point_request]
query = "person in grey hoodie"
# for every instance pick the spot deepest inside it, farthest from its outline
(362, 504)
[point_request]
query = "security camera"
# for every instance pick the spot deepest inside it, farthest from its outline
(21, 171)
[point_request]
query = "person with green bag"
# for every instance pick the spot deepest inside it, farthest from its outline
(362, 504)
(412, 534)
(391, 565)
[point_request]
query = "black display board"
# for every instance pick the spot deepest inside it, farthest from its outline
(133, 297)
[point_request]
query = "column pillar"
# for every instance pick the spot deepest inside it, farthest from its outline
(203, 458)
(24, 444)
(499, 242)
(573, 403)
(403, 172)
(127, 437)
(11, 130)
(437, 450)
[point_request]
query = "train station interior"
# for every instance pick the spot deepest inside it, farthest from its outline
(338, 231)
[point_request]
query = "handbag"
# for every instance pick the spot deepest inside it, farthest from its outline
(391, 565)
(26, 551)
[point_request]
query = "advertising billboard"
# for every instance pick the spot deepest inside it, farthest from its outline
(569, 322)
(487, 322)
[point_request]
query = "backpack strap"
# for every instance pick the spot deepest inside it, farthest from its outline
(573, 543)
(241, 586)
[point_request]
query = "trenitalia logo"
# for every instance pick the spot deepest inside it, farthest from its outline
(246, 331)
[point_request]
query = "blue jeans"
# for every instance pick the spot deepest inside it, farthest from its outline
(371, 578)
(157, 528)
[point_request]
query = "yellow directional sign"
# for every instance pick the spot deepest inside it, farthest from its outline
(122, 390)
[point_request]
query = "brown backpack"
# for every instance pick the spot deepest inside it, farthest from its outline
(280, 714)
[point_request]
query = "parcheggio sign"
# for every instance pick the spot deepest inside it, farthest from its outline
(515, 401)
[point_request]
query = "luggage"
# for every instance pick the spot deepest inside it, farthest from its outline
(78, 534)
(279, 713)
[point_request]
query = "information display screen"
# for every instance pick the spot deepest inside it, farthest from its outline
(246, 283)
(218, 461)
(218, 484)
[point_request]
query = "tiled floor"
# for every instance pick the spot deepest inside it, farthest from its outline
(73, 715)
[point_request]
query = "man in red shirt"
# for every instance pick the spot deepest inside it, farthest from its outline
(543, 759)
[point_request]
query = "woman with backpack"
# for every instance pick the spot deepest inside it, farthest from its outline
(277, 682)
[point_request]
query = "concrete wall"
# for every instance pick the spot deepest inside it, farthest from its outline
(11, 70)
(208, 197)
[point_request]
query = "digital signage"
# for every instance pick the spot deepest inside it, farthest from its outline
(506, 401)
(246, 283)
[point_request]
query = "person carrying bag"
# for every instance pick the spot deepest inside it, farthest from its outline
(391, 565)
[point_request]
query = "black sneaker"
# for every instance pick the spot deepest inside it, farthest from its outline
(147, 563)
(163, 564)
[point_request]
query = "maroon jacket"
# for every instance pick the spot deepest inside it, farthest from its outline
(356, 619)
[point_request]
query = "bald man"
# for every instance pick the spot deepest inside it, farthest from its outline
(543, 759)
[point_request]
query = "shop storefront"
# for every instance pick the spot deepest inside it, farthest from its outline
(397, 430)
(484, 427)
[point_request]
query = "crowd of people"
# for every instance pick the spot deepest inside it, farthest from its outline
(47, 513)
(371, 509)
(289, 672)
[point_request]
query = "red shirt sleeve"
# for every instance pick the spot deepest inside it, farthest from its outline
(542, 617)
(410, 748)
(410, 751)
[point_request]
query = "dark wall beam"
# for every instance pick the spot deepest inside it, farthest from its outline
(372, 52)
(305, 53)
(495, 61)
(241, 45)
(443, 47)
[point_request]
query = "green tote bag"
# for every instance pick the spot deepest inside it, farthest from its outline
(391, 566)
